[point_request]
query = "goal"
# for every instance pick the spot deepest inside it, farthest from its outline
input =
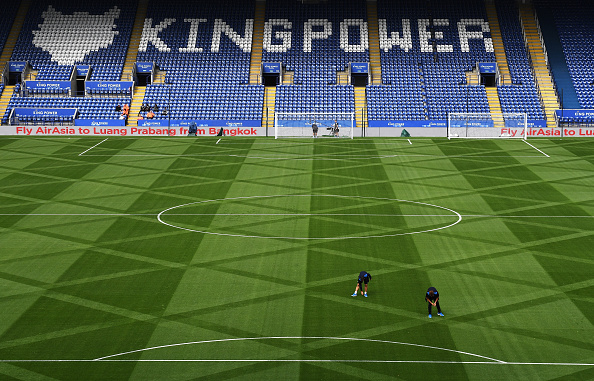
(487, 125)
(295, 125)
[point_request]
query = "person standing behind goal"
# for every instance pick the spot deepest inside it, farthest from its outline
(335, 129)
(314, 128)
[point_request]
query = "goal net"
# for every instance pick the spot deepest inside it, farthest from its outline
(295, 125)
(487, 125)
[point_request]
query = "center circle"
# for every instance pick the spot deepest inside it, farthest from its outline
(309, 217)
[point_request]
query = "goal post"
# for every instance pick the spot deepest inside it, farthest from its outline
(295, 125)
(487, 125)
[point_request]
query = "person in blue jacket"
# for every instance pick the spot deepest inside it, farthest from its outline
(364, 278)
(432, 298)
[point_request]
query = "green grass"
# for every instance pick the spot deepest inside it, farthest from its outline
(263, 240)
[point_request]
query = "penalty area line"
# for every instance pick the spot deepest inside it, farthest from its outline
(82, 153)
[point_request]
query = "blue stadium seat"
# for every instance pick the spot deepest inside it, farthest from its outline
(521, 95)
(574, 21)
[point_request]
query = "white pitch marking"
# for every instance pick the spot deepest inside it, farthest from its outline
(154, 155)
(82, 153)
(78, 214)
(317, 158)
(536, 148)
(300, 337)
(311, 214)
(277, 214)
(496, 216)
(341, 157)
(409, 142)
(218, 141)
(309, 238)
(314, 361)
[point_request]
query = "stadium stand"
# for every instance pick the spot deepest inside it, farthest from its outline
(218, 101)
(521, 95)
(325, 38)
(87, 108)
(56, 35)
(538, 62)
(9, 26)
(205, 51)
(426, 70)
(7, 17)
(455, 53)
(556, 58)
(315, 98)
(317, 48)
(427, 53)
(403, 97)
(574, 21)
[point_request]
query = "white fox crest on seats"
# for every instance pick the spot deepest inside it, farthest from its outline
(69, 38)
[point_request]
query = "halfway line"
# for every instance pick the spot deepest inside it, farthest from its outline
(281, 214)
(314, 361)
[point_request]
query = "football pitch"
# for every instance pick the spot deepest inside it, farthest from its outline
(235, 258)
